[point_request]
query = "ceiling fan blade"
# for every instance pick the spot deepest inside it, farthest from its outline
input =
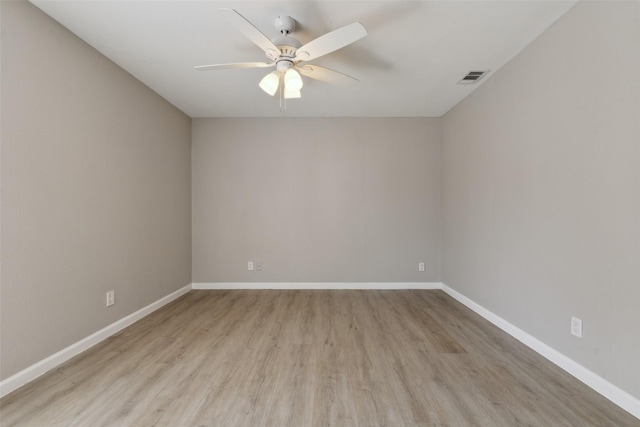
(234, 65)
(331, 42)
(250, 32)
(327, 75)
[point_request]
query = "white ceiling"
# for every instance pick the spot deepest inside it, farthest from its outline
(408, 65)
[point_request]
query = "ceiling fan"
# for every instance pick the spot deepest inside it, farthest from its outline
(287, 54)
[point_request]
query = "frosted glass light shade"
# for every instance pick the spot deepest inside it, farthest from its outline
(270, 83)
(292, 80)
(291, 94)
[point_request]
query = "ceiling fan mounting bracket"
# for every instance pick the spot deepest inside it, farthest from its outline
(285, 25)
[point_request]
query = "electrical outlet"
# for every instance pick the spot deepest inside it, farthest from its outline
(258, 266)
(250, 266)
(576, 327)
(421, 266)
(111, 298)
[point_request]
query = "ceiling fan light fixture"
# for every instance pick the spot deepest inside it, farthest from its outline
(270, 83)
(292, 81)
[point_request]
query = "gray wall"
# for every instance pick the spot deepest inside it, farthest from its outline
(541, 190)
(95, 190)
(316, 200)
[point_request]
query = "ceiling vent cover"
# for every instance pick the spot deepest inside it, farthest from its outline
(472, 77)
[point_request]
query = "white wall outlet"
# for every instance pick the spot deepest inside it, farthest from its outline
(258, 266)
(576, 327)
(421, 266)
(250, 266)
(111, 298)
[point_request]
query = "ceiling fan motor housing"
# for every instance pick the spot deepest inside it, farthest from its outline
(287, 45)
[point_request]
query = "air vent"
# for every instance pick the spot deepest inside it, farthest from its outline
(472, 77)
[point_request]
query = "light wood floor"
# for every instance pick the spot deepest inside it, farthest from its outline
(310, 358)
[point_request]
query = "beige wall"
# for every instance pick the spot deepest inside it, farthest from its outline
(316, 200)
(95, 190)
(541, 190)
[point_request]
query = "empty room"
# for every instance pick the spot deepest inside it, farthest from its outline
(320, 213)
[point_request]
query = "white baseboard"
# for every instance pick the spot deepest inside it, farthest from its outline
(34, 371)
(318, 285)
(615, 394)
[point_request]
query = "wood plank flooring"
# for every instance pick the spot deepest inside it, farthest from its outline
(310, 358)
